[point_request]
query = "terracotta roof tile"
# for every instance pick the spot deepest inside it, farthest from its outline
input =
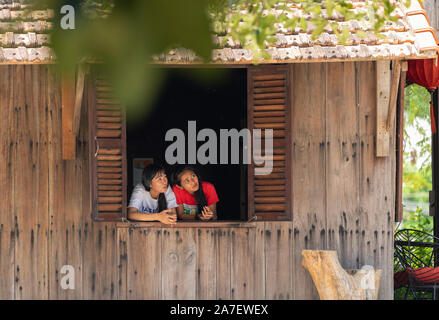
(411, 36)
(24, 38)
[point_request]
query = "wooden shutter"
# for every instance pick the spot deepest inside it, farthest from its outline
(269, 90)
(108, 153)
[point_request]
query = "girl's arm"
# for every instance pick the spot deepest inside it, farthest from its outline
(181, 215)
(165, 216)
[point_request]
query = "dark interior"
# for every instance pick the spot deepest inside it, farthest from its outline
(216, 104)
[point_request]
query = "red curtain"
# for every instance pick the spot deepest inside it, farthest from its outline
(425, 73)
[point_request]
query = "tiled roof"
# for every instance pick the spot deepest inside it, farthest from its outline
(23, 33)
(410, 37)
(24, 39)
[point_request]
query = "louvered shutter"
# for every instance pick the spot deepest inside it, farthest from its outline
(108, 153)
(269, 196)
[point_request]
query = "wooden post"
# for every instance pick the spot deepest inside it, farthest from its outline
(72, 92)
(383, 95)
(387, 93)
(335, 283)
(396, 73)
(78, 99)
(400, 144)
(68, 100)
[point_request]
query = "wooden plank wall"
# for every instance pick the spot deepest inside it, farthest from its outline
(342, 200)
(45, 218)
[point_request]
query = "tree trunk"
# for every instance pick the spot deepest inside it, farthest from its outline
(335, 283)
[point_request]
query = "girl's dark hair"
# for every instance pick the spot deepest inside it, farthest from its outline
(200, 197)
(148, 174)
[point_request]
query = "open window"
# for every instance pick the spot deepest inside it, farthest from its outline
(256, 98)
(183, 101)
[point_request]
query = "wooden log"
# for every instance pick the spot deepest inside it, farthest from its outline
(335, 283)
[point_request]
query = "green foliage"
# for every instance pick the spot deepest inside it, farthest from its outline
(417, 183)
(418, 220)
(245, 19)
(417, 113)
(417, 177)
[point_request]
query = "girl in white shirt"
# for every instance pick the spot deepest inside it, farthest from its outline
(153, 199)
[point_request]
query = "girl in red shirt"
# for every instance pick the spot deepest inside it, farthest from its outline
(194, 202)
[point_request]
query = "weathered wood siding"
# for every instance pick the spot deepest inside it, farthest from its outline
(343, 199)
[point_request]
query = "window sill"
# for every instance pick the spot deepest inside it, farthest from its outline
(188, 224)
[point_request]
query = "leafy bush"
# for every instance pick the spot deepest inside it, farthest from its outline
(417, 220)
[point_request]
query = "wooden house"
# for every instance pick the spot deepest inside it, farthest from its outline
(335, 184)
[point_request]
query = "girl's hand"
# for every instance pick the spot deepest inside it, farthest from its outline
(206, 214)
(168, 216)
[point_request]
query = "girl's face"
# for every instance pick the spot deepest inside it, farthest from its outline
(160, 182)
(189, 181)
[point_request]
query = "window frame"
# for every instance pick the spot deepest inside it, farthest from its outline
(121, 217)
